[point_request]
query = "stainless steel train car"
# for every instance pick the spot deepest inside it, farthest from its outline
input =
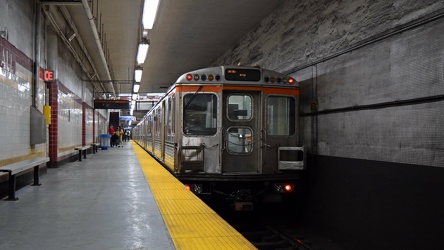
(230, 132)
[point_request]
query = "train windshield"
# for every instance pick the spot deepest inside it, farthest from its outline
(200, 114)
(281, 115)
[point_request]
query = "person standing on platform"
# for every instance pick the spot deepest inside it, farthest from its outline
(128, 135)
(111, 133)
(118, 133)
(124, 135)
(121, 136)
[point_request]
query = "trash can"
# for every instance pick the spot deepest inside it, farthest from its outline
(104, 141)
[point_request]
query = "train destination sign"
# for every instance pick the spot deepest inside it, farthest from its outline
(251, 75)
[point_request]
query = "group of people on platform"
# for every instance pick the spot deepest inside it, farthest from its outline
(118, 135)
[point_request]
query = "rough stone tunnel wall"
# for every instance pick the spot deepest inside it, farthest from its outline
(372, 120)
(351, 54)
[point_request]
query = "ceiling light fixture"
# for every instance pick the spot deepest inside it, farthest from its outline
(138, 74)
(136, 87)
(149, 13)
(71, 35)
(142, 51)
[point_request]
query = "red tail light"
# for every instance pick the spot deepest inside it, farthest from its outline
(284, 187)
(195, 188)
(288, 188)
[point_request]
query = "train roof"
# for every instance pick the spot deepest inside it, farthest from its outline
(237, 75)
(254, 76)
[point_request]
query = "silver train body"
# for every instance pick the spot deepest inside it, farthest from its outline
(228, 131)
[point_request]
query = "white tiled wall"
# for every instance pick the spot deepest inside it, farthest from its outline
(70, 121)
(15, 103)
(89, 126)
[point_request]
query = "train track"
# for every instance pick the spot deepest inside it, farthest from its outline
(270, 238)
(268, 230)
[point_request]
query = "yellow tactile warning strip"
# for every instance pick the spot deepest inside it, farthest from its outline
(191, 223)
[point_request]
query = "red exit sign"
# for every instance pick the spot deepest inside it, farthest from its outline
(46, 75)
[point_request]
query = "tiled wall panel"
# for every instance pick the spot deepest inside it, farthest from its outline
(89, 125)
(15, 103)
(70, 120)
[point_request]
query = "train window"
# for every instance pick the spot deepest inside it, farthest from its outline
(281, 115)
(239, 140)
(200, 114)
(239, 107)
(158, 122)
(169, 123)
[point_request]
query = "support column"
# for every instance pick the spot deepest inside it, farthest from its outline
(53, 88)
(83, 123)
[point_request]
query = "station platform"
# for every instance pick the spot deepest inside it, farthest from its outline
(119, 198)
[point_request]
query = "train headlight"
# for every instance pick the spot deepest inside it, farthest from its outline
(284, 187)
(189, 77)
(290, 80)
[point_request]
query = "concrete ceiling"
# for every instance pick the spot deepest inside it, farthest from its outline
(191, 34)
(187, 34)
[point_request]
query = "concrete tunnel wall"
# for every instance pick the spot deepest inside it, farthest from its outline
(374, 70)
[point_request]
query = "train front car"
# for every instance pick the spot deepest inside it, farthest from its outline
(236, 134)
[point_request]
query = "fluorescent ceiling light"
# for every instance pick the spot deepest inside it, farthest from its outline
(142, 51)
(136, 87)
(138, 74)
(149, 13)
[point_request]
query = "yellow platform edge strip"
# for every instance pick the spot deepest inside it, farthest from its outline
(190, 222)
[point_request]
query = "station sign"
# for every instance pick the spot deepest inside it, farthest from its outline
(46, 75)
(127, 118)
(111, 104)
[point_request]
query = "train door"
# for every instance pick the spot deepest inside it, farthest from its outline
(240, 122)
(158, 131)
(162, 130)
(280, 132)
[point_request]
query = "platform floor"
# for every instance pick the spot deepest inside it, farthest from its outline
(105, 202)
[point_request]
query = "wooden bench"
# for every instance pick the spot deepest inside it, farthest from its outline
(17, 168)
(82, 149)
(95, 147)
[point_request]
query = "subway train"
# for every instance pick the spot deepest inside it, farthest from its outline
(229, 133)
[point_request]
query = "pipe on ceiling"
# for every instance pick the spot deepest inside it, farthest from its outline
(65, 40)
(71, 24)
(36, 70)
(98, 43)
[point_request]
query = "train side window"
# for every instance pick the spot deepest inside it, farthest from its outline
(158, 121)
(200, 114)
(281, 113)
(169, 122)
(239, 107)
